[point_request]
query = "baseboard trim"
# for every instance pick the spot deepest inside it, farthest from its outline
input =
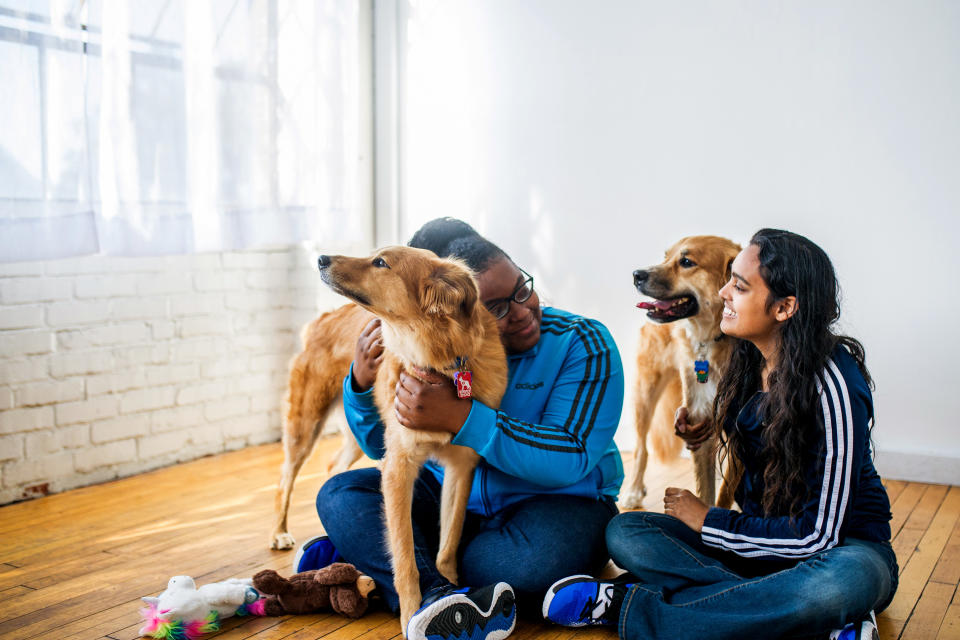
(914, 467)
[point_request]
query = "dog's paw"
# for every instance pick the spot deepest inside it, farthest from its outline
(282, 541)
(448, 570)
(632, 499)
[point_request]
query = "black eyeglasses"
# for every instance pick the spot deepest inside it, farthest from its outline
(501, 306)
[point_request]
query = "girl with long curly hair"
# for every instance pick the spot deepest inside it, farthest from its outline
(808, 554)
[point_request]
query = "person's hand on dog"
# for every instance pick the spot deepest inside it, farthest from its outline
(367, 356)
(430, 404)
(686, 507)
(693, 435)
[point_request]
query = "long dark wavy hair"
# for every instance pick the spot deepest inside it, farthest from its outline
(790, 265)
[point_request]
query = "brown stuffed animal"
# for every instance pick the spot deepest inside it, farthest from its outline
(338, 586)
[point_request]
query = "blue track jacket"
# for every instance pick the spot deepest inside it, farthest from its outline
(554, 431)
(849, 499)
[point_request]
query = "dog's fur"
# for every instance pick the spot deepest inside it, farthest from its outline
(694, 269)
(313, 391)
(431, 314)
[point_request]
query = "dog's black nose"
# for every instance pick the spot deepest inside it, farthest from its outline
(323, 261)
(640, 276)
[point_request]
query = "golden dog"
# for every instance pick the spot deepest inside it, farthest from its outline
(313, 390)
(685, 343)
(432, 318)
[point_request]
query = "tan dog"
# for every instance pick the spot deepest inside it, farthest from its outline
(686, 311)
(431, 318)
(313, 390)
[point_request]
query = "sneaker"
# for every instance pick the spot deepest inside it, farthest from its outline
(579, 601)
(315, 553)
(859, 630)
(484, 613)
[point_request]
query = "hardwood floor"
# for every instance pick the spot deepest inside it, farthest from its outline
(74, 565)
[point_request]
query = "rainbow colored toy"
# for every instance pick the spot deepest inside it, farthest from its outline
(184, 612)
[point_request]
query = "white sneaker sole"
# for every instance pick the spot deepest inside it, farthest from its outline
(417, 627)
(552, 591)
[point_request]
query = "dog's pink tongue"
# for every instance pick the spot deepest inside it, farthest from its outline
(656, 304)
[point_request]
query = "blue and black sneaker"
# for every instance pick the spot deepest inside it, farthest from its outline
(484, 613)
(315, 553)
(579, 601)
(859, 630)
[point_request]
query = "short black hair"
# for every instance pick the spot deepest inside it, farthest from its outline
(449, 237)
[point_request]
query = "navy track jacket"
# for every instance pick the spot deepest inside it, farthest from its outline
(848, 498)
(553, 433)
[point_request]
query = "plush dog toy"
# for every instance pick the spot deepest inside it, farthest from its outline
(338, 586)
(184, 612)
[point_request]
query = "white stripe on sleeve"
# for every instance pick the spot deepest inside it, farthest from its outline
(835, 487)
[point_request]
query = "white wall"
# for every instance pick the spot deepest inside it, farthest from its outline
(114, 366)
(586, 137)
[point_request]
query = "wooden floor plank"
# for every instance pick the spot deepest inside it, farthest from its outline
(893, 487)
(950, 627)
(948, 567)
(924, 623)
(920, 566)
(73, 566)
(922, 514)
(905, 545)
(904, 504)
(888, 626)
(13, 592)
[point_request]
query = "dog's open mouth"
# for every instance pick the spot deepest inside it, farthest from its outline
(670, 309)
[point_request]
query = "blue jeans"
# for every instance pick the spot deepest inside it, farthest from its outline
(529, 545)
(685, 589)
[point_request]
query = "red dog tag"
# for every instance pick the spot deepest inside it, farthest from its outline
(464, 382)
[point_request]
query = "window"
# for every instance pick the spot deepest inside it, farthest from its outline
(172, 126)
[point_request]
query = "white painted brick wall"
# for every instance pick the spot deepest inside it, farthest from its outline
(115, 366)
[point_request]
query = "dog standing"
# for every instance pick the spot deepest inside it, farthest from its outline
(684, 341)
(313, 390)
(432, 321)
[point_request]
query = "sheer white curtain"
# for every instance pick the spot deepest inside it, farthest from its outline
(140, 127)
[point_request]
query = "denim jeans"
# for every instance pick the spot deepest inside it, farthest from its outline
(685, 589)
(529, 545)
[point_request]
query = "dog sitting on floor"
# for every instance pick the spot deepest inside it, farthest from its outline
(683, 343)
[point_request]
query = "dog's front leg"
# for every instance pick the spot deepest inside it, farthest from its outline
(732, 475)
(705, 468)
(399, 475)
(650, 386)
(459, 463)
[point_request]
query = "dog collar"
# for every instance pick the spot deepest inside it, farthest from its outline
(702, 369)
(462, 377)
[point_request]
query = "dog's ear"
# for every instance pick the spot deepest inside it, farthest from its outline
(449, 290)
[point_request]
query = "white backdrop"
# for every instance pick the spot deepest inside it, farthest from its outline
(587, 137)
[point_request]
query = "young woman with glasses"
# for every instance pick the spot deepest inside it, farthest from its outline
(545, 488)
